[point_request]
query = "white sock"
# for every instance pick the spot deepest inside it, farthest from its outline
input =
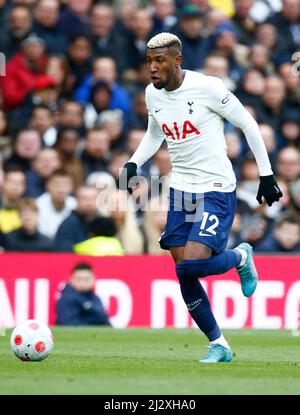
(244, 256)
(221, 340)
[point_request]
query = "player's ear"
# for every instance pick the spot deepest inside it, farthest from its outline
(178, 60)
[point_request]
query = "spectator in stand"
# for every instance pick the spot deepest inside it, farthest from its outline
(104, 69)
(139, 79)
(24, 72)
(77, 303)
(287, 22)
(76, 227)
(259, 59)
(103, 240)
(46, 16)
(243, 23)
(215, 17)
(75, 18)
(273, 101)
(113, 122)
(66, 145)
(288, 164)
(71, 115)
(268, 135)
(292, 83)
(189, 29)
(19, 27)
(57, 68)
(225, 41)
(42, 120)
(107, 41)
(217, 65)
(234, 151)
(43, 166)
(289, 131)
(251, 89)
(116, 163)
(79, 55)
(5, 139)
(164, 15)
(27, 145)
(56, 204)
(27, 238)
(285, 238)
(155, 219)
(124, 10)
(248, 185)
(14, 187)
(101, 95)
(139, 116)
(121, 210)
(95, 156)
(140, 31)
(267, 35)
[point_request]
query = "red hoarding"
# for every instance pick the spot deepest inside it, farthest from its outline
(143, 291)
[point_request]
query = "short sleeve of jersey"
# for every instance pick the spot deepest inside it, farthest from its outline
(219, 99)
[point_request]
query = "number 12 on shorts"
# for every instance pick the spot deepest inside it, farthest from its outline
(211, 220)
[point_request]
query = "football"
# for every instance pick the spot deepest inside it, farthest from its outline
(31, 341)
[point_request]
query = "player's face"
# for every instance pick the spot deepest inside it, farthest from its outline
(162, 65)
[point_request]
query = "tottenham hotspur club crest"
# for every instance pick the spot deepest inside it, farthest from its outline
(190, 105)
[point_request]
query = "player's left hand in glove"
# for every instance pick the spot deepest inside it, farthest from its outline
(128, 172)
(269, 189)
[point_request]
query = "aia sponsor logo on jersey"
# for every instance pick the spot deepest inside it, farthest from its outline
(174, 132)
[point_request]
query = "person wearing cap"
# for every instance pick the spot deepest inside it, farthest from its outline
(25, 72)
(190, 29)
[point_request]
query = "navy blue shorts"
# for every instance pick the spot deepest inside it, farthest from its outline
(201, 217)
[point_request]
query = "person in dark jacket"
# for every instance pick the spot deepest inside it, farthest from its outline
(76, 227)
(27, 238)
(46, 16)
(284, 238)
(78, 304)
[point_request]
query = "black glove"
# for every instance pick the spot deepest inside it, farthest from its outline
(269, 189)
(129, 170)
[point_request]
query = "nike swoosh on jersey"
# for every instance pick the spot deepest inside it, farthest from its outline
(158, 110)
(204, 234)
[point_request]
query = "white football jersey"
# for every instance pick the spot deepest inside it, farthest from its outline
(190, 118)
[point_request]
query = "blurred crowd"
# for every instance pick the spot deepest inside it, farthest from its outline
(72, 112)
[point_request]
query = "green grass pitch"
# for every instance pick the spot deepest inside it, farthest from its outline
(144, 361)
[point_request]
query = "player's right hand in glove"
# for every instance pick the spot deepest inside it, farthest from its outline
(269, 189)
(128, 172)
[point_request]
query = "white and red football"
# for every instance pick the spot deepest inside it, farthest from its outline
(31, 341)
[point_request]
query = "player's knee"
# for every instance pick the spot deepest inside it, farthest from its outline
(195, 268)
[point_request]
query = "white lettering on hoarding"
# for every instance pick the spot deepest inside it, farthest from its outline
(292, 308)
(7, 318)
(222, 292)
(266, 290)
(161, 291)
(41, 300)
(118, 289)
(21, 300)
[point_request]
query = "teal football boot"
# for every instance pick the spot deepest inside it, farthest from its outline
(247, 272)
(217, 354)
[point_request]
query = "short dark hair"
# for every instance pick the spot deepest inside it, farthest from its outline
(288, 218)
(60, 173)
(82, 266)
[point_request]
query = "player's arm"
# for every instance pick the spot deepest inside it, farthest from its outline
(228, 106)
(149, 145)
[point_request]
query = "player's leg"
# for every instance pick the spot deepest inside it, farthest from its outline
(212, 229)
(198, 303)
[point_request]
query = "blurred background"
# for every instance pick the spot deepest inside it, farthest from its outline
(72, 112)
